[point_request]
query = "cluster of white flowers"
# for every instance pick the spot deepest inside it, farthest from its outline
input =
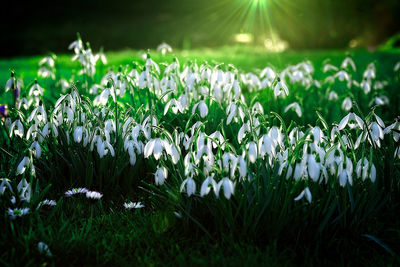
(86, 57)
(210, 160)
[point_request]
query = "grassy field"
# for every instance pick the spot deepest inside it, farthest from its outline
(270, 217)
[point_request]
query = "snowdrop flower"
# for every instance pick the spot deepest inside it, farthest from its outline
(151, 64)
(353, 120)
(346, 174)
(252, 151)
(78, 135)
(307, 193)
(76, 45)
(228, 185)
(206, 186)
(155, 147)
(160, 175)
(245, 128)
(365, 170)
(397, 152)
(23, 165)
(93, 195)
(14, 213)
(36, 90)
(24, 190)
(294, 106)
(342, 76)
(229, 162)
(47, 61)
(46, 73)
(242, 166)
(281, 89)
(348, 61)
(44, 249)
(217, 139)
(19, 131)
(103, 147)
(329, 67)
(37, 151)
(397, 66)
(133, 205)
(333, 95)
(369, 73)
(376, 133)
(39, 114)
(164, 48)
(347, 104)
(176, 106)
(268, 73)
(5, 183)
(75, 191)
(10, 82)
(202, 108)
(100, 55)
(190, 186)
(366, 86)
(314, 167)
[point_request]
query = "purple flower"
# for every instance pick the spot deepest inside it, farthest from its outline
(3, 110)
(16, 91)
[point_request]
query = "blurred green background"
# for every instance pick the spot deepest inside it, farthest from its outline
(37, 27)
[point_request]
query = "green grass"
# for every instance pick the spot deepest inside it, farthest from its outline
(261, 225)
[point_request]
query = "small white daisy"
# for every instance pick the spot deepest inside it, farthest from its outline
(48, 202)
(94, 195)
(14, 213)
(133, 205)
(75, 191)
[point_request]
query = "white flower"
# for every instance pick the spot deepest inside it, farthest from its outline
(202, 108)
(24, 190)
(5, 182)
(93, 195)
(14, 213)
(205, 187)
(307, 193)
(245, 128)
(23, 165)
(47, 60)
(347, 104)
(133, 205)
(242, 166)
(333, 95)
(349, 118)
(176, 106)
(376, 133)
(19, 131)
(314, 167)
(281, 89)
(294, 106)
(155, 147)
(75, 191)
(160, 175)
(190, 186)
(44, 249)
(228, 186)
(46, 73)
(48, 202)
(37, 151)
(348, 61)
(164, 48)
(252, 151)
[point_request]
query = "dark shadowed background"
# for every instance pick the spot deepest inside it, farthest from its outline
(37, 27)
